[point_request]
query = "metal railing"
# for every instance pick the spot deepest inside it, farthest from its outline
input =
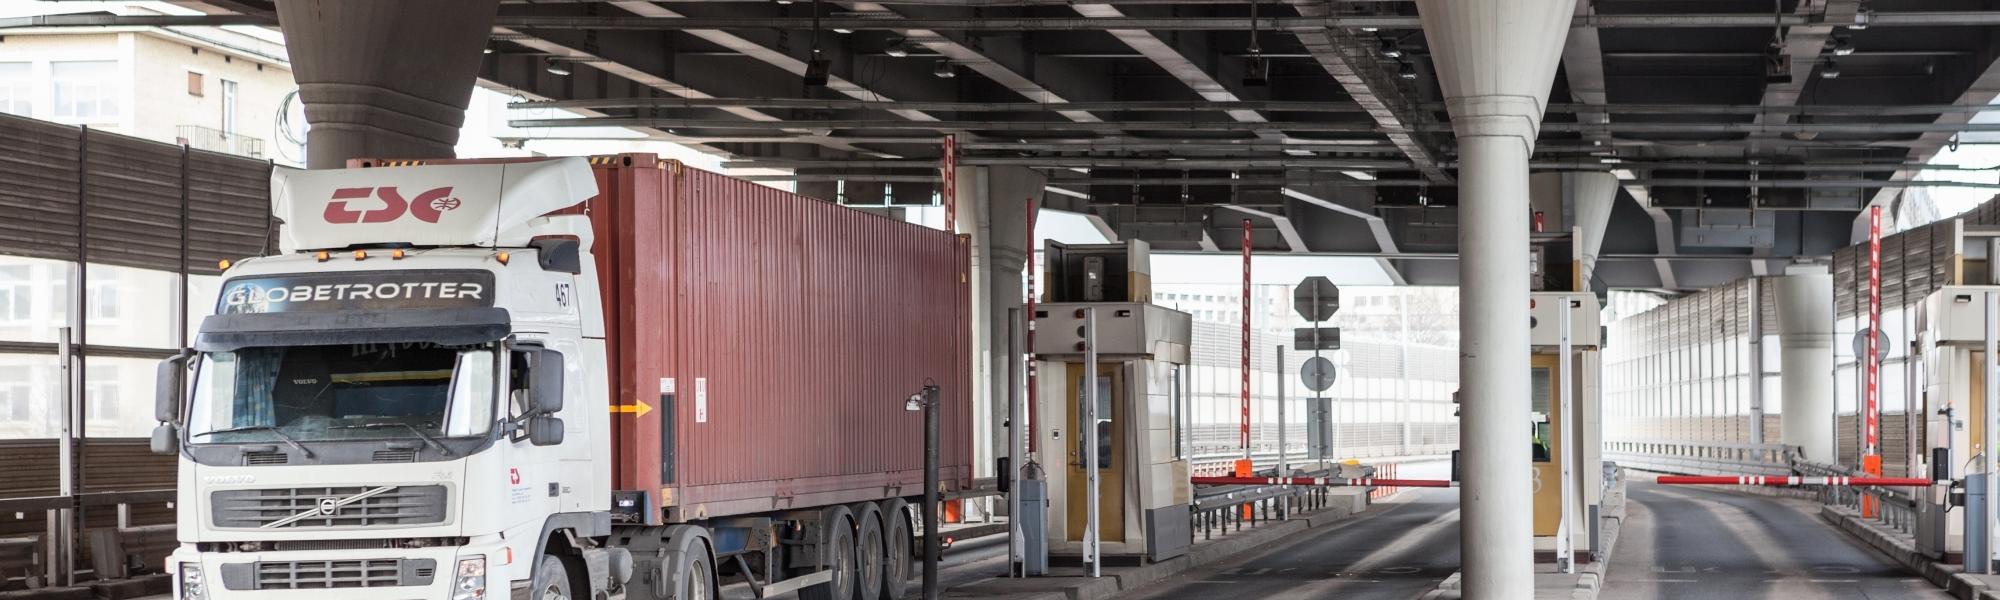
(1222, 508)
(216, 140)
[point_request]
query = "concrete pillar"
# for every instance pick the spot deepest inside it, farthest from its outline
(384, 78)
(1590, 198)
(992, 208)
(1805, 371)
(1495, 62)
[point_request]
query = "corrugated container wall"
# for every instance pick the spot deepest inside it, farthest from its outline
(777, 337)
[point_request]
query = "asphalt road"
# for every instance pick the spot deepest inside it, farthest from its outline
(1396, 551)
(1690, 543)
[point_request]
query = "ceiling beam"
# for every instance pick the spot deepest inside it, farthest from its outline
(1284, 24)
(1983, 89)
(771, 56)
(1804, 43)
(1942, 125)
(1348, 62)
(1316, 20)
(1286, 230)
(1178, 65)
(981, 60)
(647, 78)
(1378, 228)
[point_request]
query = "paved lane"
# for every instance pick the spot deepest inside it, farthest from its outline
(1689, 543)
(1397, 551)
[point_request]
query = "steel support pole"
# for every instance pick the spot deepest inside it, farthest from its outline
(1091, 546)
(1757, 361)
(1284, 465)
(62, 566)
(1566, 433)
(1991, 365)
(1016, 442)
(931, 546)
(1493, 366)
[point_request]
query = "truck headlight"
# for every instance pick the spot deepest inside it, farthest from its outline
(193, 586)
(470, 584)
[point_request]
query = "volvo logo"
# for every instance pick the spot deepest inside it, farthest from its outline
(328, 506)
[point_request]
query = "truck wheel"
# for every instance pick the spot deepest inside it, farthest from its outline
(867, 551)
(697, 576)
(551, 580)
(895, 549)
(836, 554)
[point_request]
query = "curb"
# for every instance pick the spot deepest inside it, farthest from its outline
(1950, 577)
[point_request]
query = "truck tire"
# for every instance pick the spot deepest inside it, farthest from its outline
(551, 580)
(869, 560)
(836, 554)
(896, 538)
(697, 574)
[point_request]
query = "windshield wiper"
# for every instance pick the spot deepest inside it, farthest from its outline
(428, 440)
(274, 431)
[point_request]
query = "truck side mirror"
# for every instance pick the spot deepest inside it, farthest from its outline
(167, 439)
(545, 382)
(169, 383)
(545, 431)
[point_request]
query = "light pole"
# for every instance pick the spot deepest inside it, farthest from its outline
(926, 400)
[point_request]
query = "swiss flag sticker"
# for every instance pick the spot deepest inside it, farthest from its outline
(514, 476)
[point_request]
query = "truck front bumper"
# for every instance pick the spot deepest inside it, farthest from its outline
(374, 574)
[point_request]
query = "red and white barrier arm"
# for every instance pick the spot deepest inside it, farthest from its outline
(1324, 481)
(1793, 481)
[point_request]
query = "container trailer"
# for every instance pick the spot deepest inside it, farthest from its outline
(564, 378)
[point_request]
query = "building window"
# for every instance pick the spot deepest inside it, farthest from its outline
(100, 392)
(228, 107)
(17, 302)
(14, 393)
(195, 84)
(85, 90)
(17, 88)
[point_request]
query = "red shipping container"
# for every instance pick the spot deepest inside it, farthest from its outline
(777, 337)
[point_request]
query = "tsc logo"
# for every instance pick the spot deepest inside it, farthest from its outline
(426, 207)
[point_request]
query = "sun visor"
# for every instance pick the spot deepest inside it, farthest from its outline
(488, 205)
(444, 326)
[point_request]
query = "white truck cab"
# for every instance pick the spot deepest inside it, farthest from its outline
(403, 403)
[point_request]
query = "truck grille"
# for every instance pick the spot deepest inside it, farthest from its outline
(316, 507)
(324, 574)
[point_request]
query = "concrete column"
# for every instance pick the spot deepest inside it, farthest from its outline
(992, 208)
(1495, 62)
(1590, 197)
(384, 78)
(1805, 343)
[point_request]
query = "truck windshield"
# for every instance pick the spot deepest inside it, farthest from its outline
(334, 393)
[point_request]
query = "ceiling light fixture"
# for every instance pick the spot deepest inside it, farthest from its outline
(1843, 45)
(1831, 70)
(556, 67)
(1407, 71)
(944, 70)
(1392, 49)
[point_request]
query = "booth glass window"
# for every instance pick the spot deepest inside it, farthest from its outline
(1103, 422)
(1543, 388)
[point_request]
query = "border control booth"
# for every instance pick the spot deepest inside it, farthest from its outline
(1099, 325)
(1566, 424)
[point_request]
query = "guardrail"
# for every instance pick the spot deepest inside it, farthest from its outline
(1221, 507)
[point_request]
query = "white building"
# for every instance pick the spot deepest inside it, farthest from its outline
(211, 88)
